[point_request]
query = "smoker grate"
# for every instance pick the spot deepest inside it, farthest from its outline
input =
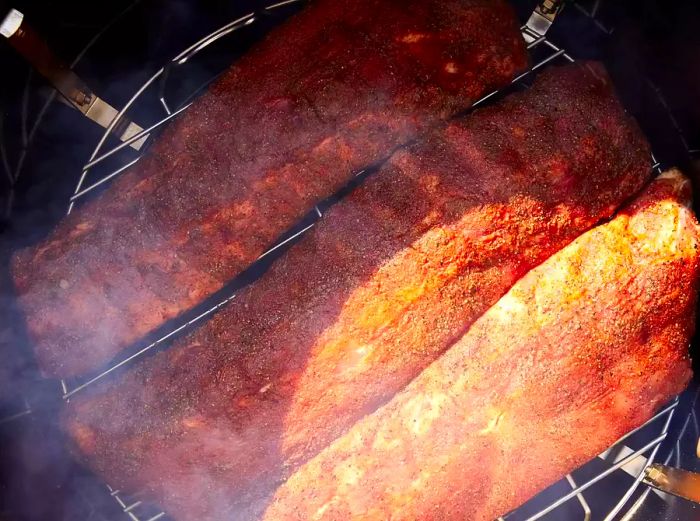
(543, 50)
(630, 456)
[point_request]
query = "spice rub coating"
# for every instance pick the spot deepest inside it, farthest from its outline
(389, 278)
(335, 89)
(580, 351)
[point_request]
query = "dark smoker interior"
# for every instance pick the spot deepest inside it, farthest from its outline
(650, 47)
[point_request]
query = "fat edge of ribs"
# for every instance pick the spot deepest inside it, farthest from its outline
(335, 89)
(580, 351)
(388, 279)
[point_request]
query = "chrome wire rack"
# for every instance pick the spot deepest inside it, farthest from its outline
(544, 52)
(625, 461)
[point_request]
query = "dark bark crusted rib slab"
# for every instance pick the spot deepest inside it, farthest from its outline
(335, 89)
(580, 351)
(388, 279)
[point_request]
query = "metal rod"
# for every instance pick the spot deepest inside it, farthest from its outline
(148, 347)
(581, 499)
(297, 234)
(132, 506)
(136, 137)
(540, 64)
(638, 479)
(282, 4)
(596, 479)
(108, 130)
(104, 179)
(241, 22)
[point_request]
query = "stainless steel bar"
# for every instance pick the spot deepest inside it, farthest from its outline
(106, 133)
(136, 137)
(593, 15)
(284, 3)
(596, 479)
(132, 506)
(638, 479)
(669, 112)
(582, 500)
(536, 42)
(298, 234)
(104, 179)
(165, 105)
(3, 152)
(632, 512)
(25, 110)
(147, 348)
(539, 65)
(549, 44)
(205, 42)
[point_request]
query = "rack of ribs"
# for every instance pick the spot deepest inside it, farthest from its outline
(335, 89)
(580, 351)
(388, 279)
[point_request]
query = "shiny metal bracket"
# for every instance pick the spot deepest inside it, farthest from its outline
(27, 42)
(541, 19)
(679, 482)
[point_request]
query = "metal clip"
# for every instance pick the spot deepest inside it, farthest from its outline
(34, 49)
(541, 19)
(679, 482)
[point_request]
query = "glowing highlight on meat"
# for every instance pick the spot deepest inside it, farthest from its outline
(597, 341)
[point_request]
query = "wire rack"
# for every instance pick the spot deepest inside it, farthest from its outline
(627, 459)
(91, 179)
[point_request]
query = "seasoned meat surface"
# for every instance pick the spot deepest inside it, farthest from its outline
(580, 351)
(389, 278)
(335, 89)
